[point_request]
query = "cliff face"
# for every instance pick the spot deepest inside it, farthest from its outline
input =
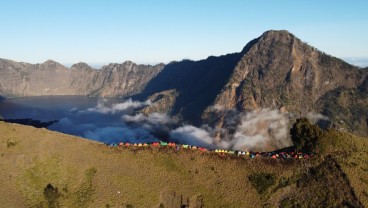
(52, 78)
(282, 72)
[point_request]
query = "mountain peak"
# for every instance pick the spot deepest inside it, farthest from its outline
(277, 35)
(276, 32)
(80, 65)
(51, 63)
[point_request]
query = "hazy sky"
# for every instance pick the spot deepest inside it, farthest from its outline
(152, 31)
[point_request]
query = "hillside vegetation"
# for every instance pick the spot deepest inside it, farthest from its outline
(34, 162)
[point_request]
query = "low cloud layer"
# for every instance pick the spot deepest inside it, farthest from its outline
(259, 130)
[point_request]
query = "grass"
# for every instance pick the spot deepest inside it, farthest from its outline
(83, 196)
(89, 174)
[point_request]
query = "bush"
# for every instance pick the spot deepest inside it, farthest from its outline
(262, 181)
(305, 135)
(10, 143)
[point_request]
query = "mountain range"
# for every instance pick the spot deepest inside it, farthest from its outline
(274, 71)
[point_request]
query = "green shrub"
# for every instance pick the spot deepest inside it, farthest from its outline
(262, 181)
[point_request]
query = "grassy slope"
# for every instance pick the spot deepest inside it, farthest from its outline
(89, 174)
(351, 152)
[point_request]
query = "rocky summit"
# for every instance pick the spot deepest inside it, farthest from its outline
(276, 71)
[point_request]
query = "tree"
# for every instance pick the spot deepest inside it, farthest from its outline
(51, 195)
(305, 135)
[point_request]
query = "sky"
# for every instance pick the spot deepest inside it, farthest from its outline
(149, 32)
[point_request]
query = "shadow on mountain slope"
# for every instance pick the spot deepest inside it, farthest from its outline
(197, 82)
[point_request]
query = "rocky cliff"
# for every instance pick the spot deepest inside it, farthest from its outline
(281, 72)
(52, 78)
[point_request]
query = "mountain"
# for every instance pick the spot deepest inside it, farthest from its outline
(41, 168)
(52, 78)
(282, 72)
(274, 71)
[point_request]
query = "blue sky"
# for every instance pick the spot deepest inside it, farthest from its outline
(98, 32)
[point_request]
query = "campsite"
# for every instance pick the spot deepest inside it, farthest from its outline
(286, 153)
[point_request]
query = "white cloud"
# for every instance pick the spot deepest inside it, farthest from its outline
(102, 106)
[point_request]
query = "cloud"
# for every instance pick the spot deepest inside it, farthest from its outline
(192, 135)
(117, 134)
(259, 130)
(357, 61)
(129, 105)
(262, 129)
(154, 118)
(315, 117)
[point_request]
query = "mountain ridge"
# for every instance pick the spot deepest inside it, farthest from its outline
(276, 70)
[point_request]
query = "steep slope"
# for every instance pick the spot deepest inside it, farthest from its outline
(52, 78)
(197, 83)
(282, 72)
(90, 174)
(124, 79)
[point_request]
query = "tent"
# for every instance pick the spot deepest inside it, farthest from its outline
(145, 145)
(202, 149)
(121, 144)
(185, 146)
(127, 144)
(155, 144)
(163, 143)
(140, 145)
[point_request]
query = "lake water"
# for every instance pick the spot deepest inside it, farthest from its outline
(92, 118)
